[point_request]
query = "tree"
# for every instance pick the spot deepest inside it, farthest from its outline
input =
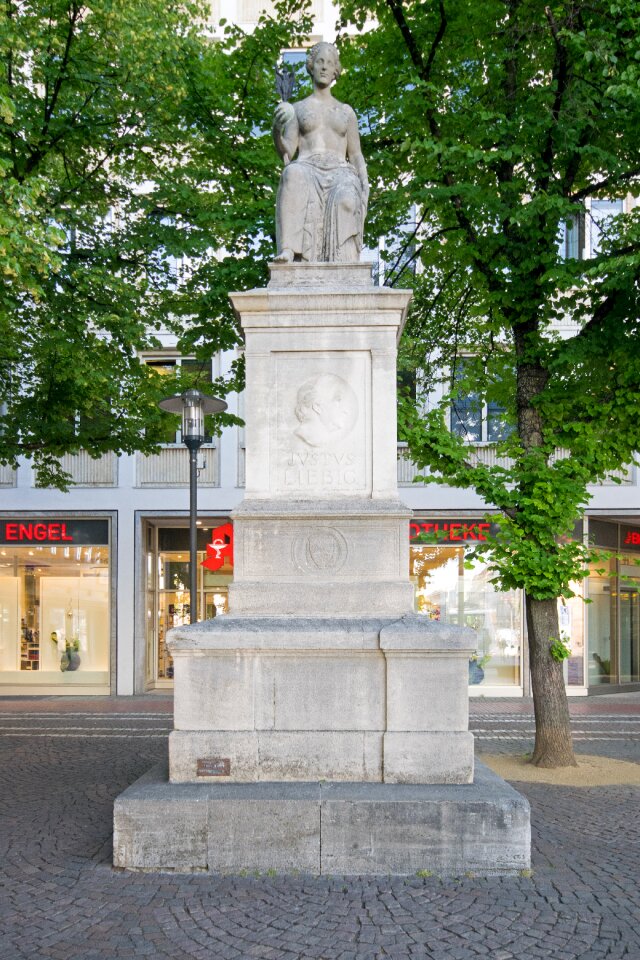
(129, 140)
(503, 121)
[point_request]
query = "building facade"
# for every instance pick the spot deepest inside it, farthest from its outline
(92, 579)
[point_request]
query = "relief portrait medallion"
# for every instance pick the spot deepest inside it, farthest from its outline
(327, 410)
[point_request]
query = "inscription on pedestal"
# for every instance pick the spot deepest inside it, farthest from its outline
(321, 444)
(213, 767)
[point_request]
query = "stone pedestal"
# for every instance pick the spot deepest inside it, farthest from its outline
(321, 530)
(371, 700)
(321, 672)
(322, 828)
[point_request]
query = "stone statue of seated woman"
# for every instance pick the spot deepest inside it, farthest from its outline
(323, 192)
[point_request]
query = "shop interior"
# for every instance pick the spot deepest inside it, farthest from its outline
(447, 590)
(167, 578)
(54, 614)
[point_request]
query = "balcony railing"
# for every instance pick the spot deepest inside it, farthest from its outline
(170, 468)
(486, 454)
(248, 11)
(89, 472)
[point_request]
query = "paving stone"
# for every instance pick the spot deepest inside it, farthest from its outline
(63, 901)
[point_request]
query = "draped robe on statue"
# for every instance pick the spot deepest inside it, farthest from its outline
(323, 192)
(320, 209)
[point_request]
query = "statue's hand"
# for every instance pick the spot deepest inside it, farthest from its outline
(282, 115)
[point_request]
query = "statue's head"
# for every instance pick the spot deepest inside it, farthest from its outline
(327, 49)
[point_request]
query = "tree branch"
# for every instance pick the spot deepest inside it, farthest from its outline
(589, 190)
(51, 105)
(559, 76)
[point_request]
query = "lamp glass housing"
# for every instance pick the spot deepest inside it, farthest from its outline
(192, 417)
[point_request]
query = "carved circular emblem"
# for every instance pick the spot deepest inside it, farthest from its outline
(327, 410)
(321, 550)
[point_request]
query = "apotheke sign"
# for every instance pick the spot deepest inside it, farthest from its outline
(54, 531)
(450, 531)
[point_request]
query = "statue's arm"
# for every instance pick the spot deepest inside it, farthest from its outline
(285, 131)
(354, 153)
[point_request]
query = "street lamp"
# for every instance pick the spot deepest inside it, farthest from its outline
(193, 405)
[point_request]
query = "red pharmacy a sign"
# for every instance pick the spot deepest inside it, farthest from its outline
(220, 550)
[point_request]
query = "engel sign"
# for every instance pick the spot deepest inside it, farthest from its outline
(15, 532)
(51, 531)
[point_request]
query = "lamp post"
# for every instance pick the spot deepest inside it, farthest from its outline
(193, 405)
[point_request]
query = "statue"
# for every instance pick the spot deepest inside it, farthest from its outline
(323, 192)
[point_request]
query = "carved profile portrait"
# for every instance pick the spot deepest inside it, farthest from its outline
(327, 410)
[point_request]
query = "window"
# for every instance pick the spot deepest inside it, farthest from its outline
(198, 372)
(448, 591)
(471, 418)
(602, 213)
(571, 239)
(54, 601)
(166, 267)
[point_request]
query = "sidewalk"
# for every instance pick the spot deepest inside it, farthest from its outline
(65, 760)
(162, 702)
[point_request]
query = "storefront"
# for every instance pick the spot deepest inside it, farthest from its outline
(446, 589)
(57, 601)
(167, 586)
(55, 604)
(613, 614)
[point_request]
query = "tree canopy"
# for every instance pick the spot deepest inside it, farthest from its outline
(131, 142)
(501, 127)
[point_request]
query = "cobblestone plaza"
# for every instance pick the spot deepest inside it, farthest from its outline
(65, 761)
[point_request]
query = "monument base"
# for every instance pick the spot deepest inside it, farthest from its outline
(310, 698)
(320, 828)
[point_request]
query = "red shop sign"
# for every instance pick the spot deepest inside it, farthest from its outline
(39, 531)
(51, 531)
(453, 531)
(221, 547)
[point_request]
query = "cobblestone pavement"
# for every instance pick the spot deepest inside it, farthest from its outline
(64, 763)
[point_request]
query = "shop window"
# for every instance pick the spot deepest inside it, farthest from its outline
(54, 602)
(447, 591)
(168, 591)
(629, 606)
(601, 623)
(571, 616)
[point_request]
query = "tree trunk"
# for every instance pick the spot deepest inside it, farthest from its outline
(554, 745)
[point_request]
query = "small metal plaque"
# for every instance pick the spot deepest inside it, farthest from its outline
(214, 767)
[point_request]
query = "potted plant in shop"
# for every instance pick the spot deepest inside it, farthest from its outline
(477, 663)
(70, 659)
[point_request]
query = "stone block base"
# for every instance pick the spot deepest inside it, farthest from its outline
(311, 698)
(425, 757)
(322, 828)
